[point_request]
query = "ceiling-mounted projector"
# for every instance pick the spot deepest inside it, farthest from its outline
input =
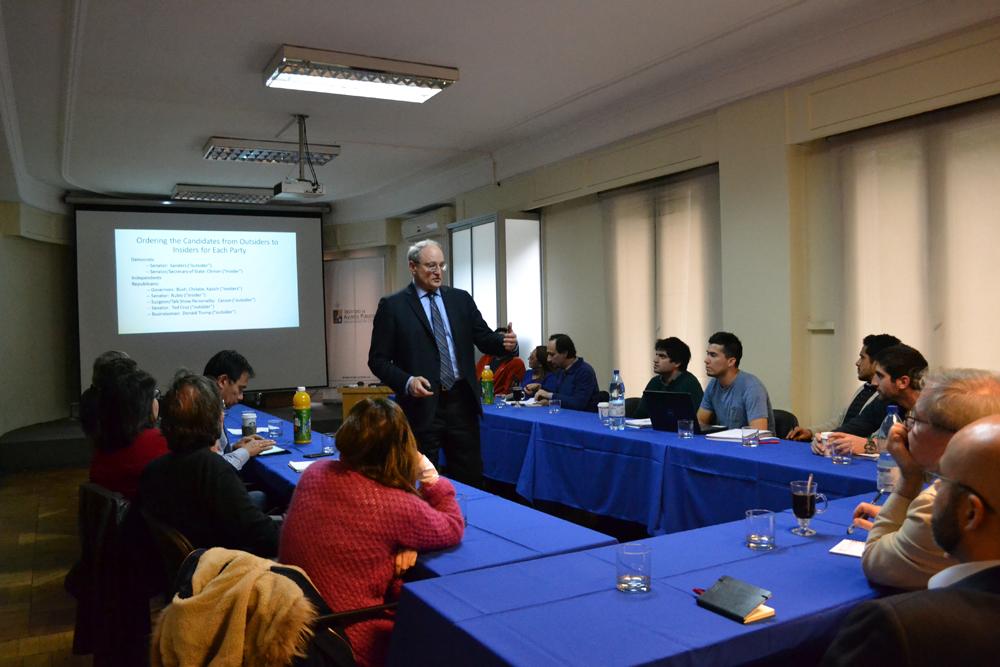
(295, 188)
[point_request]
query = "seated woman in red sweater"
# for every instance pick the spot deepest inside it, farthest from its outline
(125, 436)
(349, 519)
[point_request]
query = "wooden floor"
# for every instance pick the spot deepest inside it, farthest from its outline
(38, 544)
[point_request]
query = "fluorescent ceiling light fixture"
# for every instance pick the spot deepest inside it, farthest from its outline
(317, 71)
(266, 152)
(222, 194)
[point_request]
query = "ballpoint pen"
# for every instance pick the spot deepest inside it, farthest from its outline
(878, 497)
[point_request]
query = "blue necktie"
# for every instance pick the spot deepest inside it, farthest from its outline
(441, 339)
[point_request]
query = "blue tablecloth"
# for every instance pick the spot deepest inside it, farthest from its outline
(565, 610)
(650, 477)
(498, 531)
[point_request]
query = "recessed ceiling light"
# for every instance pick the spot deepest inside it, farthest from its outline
(338, 73)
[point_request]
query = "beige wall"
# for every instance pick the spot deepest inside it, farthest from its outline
(771, 297)
(38, 354)
(755, 216)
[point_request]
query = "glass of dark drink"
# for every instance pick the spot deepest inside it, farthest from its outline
(804, 497)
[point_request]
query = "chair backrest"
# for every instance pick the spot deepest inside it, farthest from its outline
(95, 580)
(784, 421)
(171, 544)
(632, 406)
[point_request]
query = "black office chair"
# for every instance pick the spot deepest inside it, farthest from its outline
(112, 610)
(328, 646)
(784, 421)
(632, 406)
(172, 546)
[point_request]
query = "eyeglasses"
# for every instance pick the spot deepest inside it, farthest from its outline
(434, 266)
(968, 489)
(910, 421)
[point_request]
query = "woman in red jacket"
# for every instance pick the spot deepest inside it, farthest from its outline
(125, 435)
(349, 519)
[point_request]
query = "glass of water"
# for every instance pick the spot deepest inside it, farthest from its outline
(634, 567)
(554, 406)
(274, 428)
(750, 437)
(685, 428)
(760, 530)
(463, 506)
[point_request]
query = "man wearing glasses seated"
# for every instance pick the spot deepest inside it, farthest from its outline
(955, 620)
(900, 550)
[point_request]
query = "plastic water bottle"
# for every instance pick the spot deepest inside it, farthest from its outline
(302, 416)
(486, 380)
(616, 406)
(888, 469)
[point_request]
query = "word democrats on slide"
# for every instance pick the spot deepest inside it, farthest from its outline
(171, 281)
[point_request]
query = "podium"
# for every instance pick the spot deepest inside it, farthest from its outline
(351, 395)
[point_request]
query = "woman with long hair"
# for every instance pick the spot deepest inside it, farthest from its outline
(350, 520)
(125, 435)
(538, 366)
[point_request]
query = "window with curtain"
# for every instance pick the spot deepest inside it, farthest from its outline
(903, 230)
(664, 253)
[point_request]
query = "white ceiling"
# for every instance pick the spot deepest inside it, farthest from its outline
(118, 96)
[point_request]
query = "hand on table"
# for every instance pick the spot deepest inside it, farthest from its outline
(801, 434)
(419, 387)
(864, 515)
(531, 388)
(845, 443)
(254, 444)
(543, 395)
(404, 560)
(818, 446)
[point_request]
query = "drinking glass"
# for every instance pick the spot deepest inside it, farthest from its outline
(274, 427)
(463, 506)
(749, 437)
(500, 401)
(604, 413)
(554, 406)
(634, 567)
(685, 428)
(328, 446)
(760, 530)
(804, 497)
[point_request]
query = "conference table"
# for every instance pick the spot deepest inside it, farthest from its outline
(565, 609)
(498, 531)
(654, 478)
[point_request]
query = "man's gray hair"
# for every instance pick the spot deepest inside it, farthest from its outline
(413, 254)
(953, 398)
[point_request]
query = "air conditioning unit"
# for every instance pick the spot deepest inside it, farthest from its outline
(433, 224)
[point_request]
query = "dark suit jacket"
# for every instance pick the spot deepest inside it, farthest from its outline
(403, 346)
(956, 625)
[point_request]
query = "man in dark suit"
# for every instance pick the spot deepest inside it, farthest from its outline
(955, 621)
(422, 340)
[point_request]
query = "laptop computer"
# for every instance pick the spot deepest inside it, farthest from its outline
(666, 407)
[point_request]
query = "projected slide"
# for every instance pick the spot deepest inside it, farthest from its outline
(172, 280)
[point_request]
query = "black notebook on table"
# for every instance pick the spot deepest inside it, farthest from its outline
(737, 600)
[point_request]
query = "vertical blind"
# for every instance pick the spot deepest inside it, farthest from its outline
(917, 204)
(664, 277)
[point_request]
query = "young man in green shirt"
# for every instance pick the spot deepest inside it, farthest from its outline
(670, 363)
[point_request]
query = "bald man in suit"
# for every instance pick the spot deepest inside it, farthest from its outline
(422, 347)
